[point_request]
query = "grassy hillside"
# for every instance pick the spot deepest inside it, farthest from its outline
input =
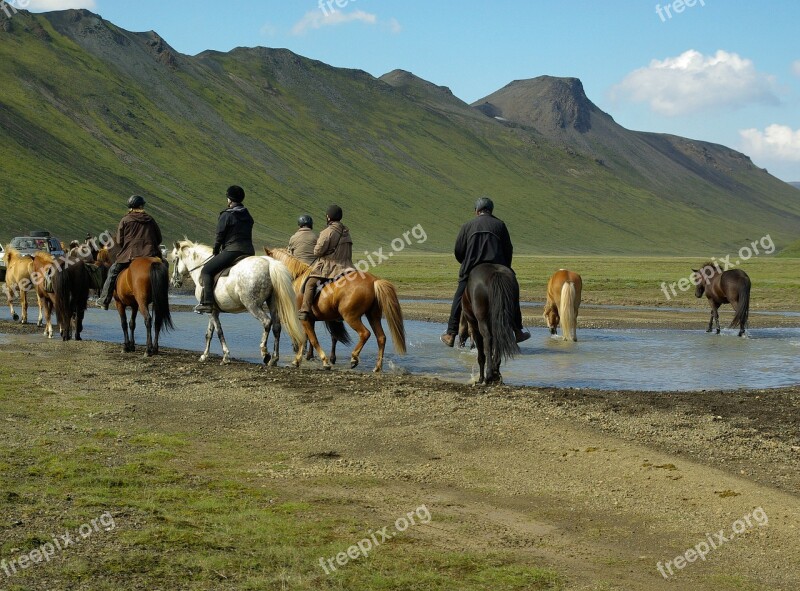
(792, 250)
(92, 113)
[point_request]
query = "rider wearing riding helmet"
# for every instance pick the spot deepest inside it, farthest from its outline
(138, 235)
(302, 243)
(483, 239)
(334, 252)
(234, 240)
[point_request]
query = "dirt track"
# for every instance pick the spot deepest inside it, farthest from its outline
(601, 485)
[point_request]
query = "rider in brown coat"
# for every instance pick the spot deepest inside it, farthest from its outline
(138, 235)
(334, 252)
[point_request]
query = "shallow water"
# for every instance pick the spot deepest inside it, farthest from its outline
(603, 358)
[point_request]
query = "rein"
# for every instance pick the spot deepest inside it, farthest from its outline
(201, 264)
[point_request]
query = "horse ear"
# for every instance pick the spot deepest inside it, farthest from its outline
(695, 270)
(268, 251)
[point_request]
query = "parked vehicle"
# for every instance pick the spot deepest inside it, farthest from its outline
(38, 240)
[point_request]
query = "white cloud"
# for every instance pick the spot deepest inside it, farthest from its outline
(394, 26)
(268, 30)
(776, 142)
(693, 82)
(796, 68)
(316, 19)
(47, 5)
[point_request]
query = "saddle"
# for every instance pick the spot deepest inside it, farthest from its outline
(225, 272)
(325, 281)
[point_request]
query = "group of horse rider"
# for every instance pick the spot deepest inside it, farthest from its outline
(483, 239)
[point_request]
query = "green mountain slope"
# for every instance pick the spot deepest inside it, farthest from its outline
(90, 114)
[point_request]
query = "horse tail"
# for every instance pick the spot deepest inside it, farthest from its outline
(338, 332)
(743, 311)
(284, 295)
(569, 320)
(159, 291)
(503, 290)
(386, 294)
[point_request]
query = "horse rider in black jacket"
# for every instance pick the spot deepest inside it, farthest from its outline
(483, 239)
(234, 240)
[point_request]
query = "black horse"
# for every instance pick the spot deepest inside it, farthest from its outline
(724, 287)
(489, 304)
(71, 293)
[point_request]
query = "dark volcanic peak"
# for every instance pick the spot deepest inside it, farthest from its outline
(547, 103)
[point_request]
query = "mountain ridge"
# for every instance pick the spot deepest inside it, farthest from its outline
(95, 113)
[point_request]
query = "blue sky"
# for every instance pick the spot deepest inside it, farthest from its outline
(725, 71)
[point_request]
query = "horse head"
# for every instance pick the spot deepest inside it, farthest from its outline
(702, 278)
(551, 317)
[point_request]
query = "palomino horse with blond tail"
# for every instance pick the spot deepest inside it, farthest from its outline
(250, 284)
(563, 301)
(18, 280)
(349, 297)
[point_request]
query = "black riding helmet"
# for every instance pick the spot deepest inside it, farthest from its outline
(136, 202)
(334, 212)
(235, 193)
(484, 204)
(305, 221)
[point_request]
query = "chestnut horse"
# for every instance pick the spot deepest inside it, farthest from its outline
(18, 280)
(63, 287)
(350, 297)
(563, 301)
(489, 304)
(724, 287)
(145, 281)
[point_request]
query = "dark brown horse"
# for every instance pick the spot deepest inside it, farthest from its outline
(724, 287)
(489, 304)
(563, 300)
(349, 298)
(63, 286)
(144, 282)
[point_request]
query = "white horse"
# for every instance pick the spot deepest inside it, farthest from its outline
(251, 282)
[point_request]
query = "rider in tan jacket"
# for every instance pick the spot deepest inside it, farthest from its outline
(334, 252)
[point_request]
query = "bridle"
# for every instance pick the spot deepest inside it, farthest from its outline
(176, 276)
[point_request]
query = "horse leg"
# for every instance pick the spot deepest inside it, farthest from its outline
(124, 322)
(132, 324)
(711, 321)
(716, 316)
(274, 323)
(226, 353)
(363, 335)
(312, 336)
(148, 323)
(374, 317)
(79, 323)
(333, 350)
(39, 302)
(48, 312)
(23, 304)
(209, 336)
(483, 327)
(266, 322)
(478, 336)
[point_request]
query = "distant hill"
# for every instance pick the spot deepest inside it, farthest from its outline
(796, 185)
(791, 251)
(91, 113)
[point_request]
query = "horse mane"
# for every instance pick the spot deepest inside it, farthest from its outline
(11, 253)
(103, 257)
(44, 258)
(296, 267)
(714, 266)
(186, 243)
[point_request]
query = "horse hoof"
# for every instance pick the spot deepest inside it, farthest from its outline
(267, 359)
(78, 338)
(203, 358)
(225, 361)
(353, 363)
(273, 362)
(717, 331)
(326, 366)
(377, 370)
(332, 360)
(15, 317)
(295, 364)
